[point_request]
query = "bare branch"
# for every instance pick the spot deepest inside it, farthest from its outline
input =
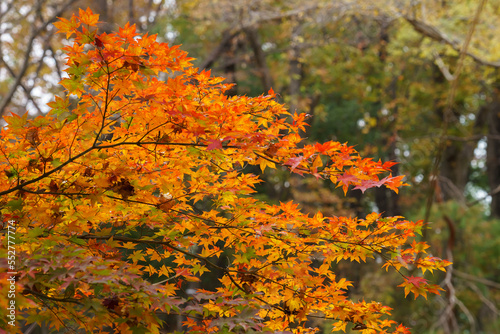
(217, 51)
(439, 36)
(255, 20)
(442, 67)
(491, 193)
(485, 300)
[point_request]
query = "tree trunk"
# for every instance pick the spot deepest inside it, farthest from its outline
(493, 153)
(295, 68)
(260, 59)
(387, 200)
(455, 169)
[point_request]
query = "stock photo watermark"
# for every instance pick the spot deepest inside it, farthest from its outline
(11, 272)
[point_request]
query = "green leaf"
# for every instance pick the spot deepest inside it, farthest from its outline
(92, 303)
(98, 73)
(102, 272)
(15, 205)
(146, 71)
(35, 232)
(139, 84)
(140, 330)
(193, 150)
(78, 241)
(41, 121)
(15, 121)
(56, 163)
(72, 84)
(76, 71)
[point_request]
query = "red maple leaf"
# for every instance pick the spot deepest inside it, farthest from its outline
(416, 281)
(366, 184)
(294, 162)
(214, 144)
(347, 178)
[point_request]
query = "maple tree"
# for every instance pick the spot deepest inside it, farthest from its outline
(135, 184)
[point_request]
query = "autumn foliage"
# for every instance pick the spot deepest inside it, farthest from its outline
(136, 184)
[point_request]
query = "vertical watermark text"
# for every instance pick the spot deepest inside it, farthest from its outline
(11, 272)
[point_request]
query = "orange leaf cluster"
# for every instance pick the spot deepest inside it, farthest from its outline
(135, 184)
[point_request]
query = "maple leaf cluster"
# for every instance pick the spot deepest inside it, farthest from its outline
(135, 184)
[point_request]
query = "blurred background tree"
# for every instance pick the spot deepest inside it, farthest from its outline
(377, 74)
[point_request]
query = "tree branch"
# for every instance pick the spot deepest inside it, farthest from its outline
(434, 33)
